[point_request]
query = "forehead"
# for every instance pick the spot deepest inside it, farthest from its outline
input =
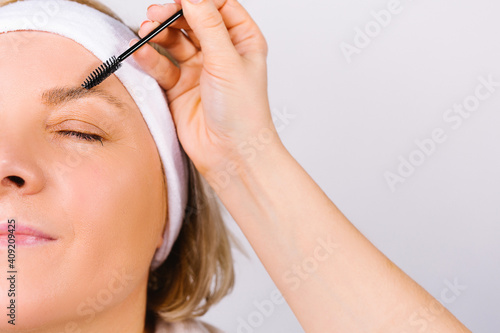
(33, 61)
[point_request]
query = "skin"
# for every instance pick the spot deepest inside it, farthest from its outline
(105, 203)
(218, 98)
(332, 277)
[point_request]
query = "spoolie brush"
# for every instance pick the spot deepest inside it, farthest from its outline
(113, 64)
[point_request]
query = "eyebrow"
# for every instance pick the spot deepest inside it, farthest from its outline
(61, 95)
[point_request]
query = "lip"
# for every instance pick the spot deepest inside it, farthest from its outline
(24, 235)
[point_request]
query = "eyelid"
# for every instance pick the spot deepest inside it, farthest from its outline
(89, 128)
(84, 136)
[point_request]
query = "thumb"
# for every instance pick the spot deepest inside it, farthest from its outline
(207, 24)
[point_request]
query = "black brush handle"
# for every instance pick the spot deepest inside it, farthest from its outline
(150, 36)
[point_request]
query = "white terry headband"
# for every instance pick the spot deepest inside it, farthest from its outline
(104, 37)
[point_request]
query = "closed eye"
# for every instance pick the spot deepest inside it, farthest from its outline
(83, 136)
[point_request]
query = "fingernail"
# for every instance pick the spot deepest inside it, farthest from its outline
(133, 42)
(153, 6)
(144, 23)
(195, 1)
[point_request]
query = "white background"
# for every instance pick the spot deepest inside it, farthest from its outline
(353, 121)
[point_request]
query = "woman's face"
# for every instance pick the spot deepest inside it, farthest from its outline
(103, 203)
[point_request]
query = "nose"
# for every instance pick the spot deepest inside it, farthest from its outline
(19, 173)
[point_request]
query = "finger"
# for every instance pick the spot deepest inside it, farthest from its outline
(177, 44)
(192, 37)
(158, 66)
(161, 13)
(244, 32)
(207, 24)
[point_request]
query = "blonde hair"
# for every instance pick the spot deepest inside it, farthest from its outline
(199, 270)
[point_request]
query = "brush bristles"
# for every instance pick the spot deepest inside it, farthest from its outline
(102, 73)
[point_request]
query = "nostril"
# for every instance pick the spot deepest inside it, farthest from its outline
(17, 180)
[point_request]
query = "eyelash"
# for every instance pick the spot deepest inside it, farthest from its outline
(83, 136)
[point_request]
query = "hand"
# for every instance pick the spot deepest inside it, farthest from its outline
(218, 94)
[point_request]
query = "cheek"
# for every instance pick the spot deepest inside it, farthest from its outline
(117, 206)
(110, 207)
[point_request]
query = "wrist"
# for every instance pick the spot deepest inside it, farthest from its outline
(250, 159)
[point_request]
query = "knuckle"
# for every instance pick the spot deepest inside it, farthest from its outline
(265, 49)
(258, 44)
(212, 20)
(262, 45)
(166, 37)
(165, 75)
